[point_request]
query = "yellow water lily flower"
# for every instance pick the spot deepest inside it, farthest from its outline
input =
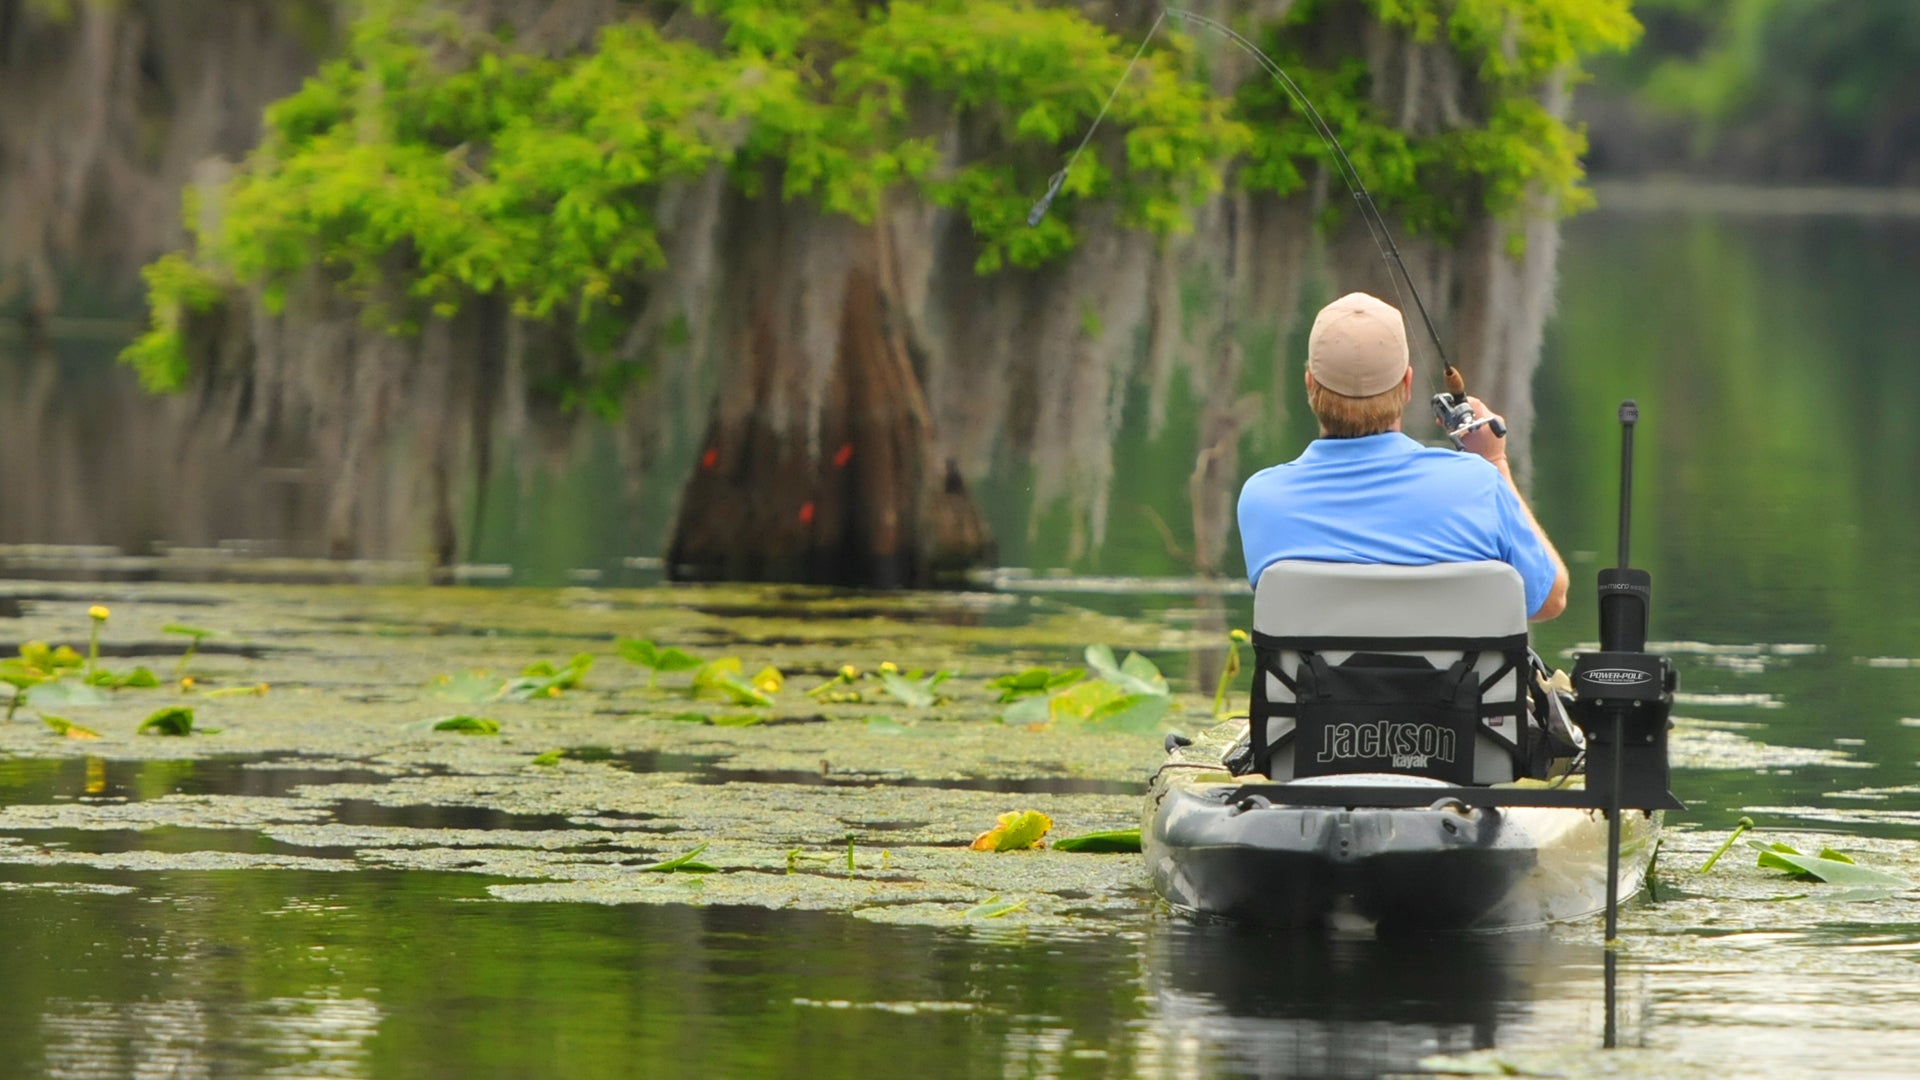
(98, 613)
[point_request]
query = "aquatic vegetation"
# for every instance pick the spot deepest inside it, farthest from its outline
(914, 689)
(724, 678)
(256, 690)
(655, 658)
(97, 617)
(1034, 680)
(1129, 696)
(196, 635)
(1833, 867)
(468, 725)
(1016, 830)
(64, 693)
(993, 908)
(173, 720)
(66, 728)
(1229, 671)
(1741, 826)
(1117, 841)
(536, 680)
(843, 688)
(548, 758)
(684, 863)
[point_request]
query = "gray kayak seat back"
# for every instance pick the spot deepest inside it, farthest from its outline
(1468, 617)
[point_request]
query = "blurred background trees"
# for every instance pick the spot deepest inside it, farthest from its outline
(1765, 90)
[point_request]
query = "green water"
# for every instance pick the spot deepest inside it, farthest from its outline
(324, 889)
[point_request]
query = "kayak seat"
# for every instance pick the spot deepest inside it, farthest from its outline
(1415, 670)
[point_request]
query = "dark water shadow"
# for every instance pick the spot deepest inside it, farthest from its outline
(1316, 1005)
(702, 771)
(98, 779)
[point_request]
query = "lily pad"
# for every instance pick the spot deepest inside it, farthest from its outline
(1118, 841)
(62, 726)
(1034, 680)
(1830, 866)
(176, 720)
(65, 693)
(468, 686)
(1135, 675)
(913, 691)
(468, 725)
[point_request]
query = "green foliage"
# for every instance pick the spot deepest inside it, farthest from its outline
(1432, 181)
(654, 658)
(1119, 841)
(468, 725)
(1128, 696)
(685, 863)
(437, 162)
(176, 720)
(66, 728)
(914, 689)
(434, 162)
(1035, 680)
(1825, 86)
(1830, 866)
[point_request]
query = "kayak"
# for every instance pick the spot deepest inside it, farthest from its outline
(1214, 846)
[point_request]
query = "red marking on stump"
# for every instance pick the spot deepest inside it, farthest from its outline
(843, 455)
(709, 459)
(806, 513)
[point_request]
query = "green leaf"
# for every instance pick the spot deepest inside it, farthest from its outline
(138, 678)
(914, 692)
(68, 693)
(194, 632)
(1033, 710)
(60, 725)
(684, 863)
(1834, 871)
(1015, 830)
(993, 908)
(1136, 675)
(1034, 680)
(1135, 714)
(551, 757)
(176, 720)
(1115, 842)
(468, 725)
(722, 678)
(471, 687)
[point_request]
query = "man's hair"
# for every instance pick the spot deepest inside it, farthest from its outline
(1343, 417)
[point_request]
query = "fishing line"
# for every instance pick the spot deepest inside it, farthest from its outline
(1053, 184)
(1369, 213)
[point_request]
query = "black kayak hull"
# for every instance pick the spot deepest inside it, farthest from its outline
(1388, 869)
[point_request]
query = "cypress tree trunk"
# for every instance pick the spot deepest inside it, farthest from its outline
(851, 488)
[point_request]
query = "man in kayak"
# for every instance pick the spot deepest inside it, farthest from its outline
(1364, 492)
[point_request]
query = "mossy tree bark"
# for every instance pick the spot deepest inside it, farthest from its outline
(853, 488)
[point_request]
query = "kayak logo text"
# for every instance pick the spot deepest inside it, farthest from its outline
(1410, 746)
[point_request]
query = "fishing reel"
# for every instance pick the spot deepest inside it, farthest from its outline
(1456, 415)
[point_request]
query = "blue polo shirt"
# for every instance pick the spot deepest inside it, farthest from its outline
(1388, 499)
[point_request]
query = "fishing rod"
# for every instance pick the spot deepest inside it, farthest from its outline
(1451, 407)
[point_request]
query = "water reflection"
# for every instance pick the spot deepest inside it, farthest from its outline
(1234, 1002)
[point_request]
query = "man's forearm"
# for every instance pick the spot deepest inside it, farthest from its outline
(1556, 596)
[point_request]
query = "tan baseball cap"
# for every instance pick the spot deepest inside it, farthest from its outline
(1358, 347)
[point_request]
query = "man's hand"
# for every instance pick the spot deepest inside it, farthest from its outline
(1481, 440)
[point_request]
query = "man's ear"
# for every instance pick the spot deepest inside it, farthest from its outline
(1309, 374)
(1406, 383)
